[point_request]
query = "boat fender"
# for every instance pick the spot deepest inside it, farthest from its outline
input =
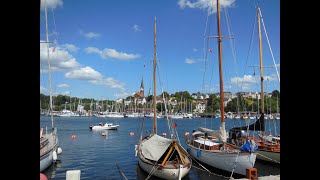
(198, 152)
(54, 156)
(59, 150)
(43, 177)
(136, 149)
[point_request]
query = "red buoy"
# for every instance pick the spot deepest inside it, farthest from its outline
(73, 137)
(131, 133)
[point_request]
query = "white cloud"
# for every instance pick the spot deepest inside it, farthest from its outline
(245, 87)
(91, 35)
(244, 79)
(70, 47)
(208, 5)
(65, 93)
(60, 59)
(136, 28)
(63, 85)
(44, 90)
(245, 82)
(86, 73)
(110, 82)
(111, 53)
(194, 49)
(122, 95)
(51, 4)
(94, 77)
(189, 61)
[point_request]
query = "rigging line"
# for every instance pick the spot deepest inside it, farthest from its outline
(249, 51)
(55, 28)
(164, 101)
(205, 50)
(265, 31)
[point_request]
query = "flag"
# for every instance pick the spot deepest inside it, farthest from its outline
(174, 125)
(210, 49)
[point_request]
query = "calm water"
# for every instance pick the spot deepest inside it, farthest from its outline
(98, 156)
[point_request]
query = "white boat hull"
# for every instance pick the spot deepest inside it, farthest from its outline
(225, 161)
(164, 173)
(271, 156)
(115, 127)
(46, 160)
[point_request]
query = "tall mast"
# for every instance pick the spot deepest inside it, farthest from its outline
(49, 73)
(261, 69)
(220, 62)
(154, 80)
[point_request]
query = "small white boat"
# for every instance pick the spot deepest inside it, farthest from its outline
(106, 126)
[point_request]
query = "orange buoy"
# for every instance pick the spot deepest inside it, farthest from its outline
(131, 133)
(43, 177)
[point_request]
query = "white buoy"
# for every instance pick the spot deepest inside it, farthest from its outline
(54, 156)
(59, 150)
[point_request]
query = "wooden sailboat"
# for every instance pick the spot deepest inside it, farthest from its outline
(159, 156)
(268, 147)
(210, 146)
(49, 140)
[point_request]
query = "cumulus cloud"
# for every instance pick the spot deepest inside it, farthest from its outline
(63, 85)
(86, 73)
(244, 79)
(245, 82)
(136, 28)
(209, 5)
(65, 93)
(51, 4)
(91, 35)
(44, 90)
(111, 53)
(70, 47)
(110, 82)
(94, 77)
(122, 95)
(60, 59)
(189, 61)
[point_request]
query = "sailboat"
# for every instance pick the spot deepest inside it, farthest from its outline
(159, 156)
(268, 147)
(210, 147)
(49, 147)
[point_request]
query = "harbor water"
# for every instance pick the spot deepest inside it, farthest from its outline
(103, 157)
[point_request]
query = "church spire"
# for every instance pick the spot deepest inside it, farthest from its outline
(142, 86)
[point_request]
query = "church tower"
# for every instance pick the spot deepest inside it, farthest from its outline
(142, 89)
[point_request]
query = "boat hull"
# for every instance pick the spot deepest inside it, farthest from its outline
(46, 160)
(225, 161)
(271, 156)
(164, 173)
(97, 128)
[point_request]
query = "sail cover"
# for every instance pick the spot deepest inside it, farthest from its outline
(155, 147)
(220, 134)
(258, 125)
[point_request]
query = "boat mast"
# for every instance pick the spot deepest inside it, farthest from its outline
(220, 63)
(154, 81)
(261, 68)
(49, 73)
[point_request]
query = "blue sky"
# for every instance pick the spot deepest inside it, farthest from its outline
(102, 49)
